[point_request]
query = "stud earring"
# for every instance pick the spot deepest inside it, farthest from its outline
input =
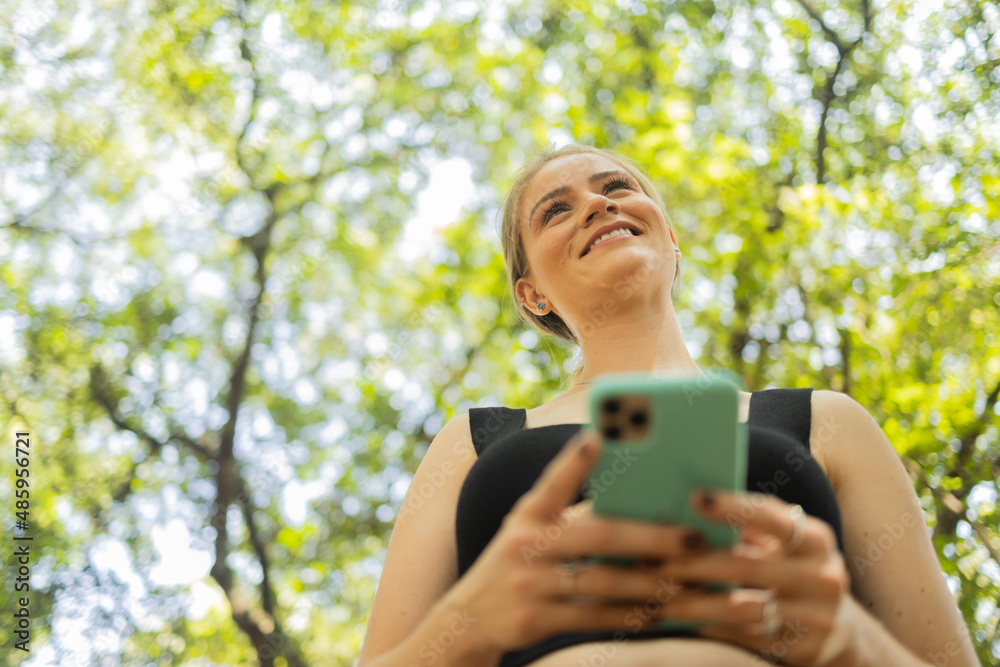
(677, 250)
(540, 305)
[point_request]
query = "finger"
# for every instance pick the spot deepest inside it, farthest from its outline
(605, 583)
(740, 607)
(751, 568)
(762, 515)
(589, 534)
(796, 625)
(561, 480)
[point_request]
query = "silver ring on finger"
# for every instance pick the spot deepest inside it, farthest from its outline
(798, 528)
(567, 577)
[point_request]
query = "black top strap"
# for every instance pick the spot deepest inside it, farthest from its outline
(489, 424)
(785, 410)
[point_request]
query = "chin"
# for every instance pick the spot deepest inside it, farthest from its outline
(633, 270)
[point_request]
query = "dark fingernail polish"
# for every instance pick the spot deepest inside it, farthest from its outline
(708, 499)
(694, 542)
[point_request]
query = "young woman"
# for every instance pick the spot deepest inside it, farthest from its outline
(482, 564)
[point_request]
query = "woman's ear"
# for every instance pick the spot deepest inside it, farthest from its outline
(529, 296)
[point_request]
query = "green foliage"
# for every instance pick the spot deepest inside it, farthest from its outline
(204, 213)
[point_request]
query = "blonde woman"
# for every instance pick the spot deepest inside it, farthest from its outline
(482, 567)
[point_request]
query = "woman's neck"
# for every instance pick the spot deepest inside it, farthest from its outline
(651, 344)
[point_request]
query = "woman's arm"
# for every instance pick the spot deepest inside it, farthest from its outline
(421, 563)
(895, 573)
(884, 603)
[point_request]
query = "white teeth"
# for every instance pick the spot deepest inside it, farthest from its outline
(610, 235)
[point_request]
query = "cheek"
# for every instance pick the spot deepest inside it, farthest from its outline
(652, 213)
(544, 260)
(554, 245)
(554, 261)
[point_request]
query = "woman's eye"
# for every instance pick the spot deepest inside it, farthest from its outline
(617, 184)
(557, 207)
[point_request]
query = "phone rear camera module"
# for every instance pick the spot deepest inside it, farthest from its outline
(625, 418)
(638, 419)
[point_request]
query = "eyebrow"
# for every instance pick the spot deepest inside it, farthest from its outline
(564, 189)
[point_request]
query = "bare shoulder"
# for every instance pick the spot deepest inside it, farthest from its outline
(454, 438)
(445, 464)
(841, 429)
(864, 469)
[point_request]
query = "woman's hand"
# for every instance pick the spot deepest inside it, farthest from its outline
(528, 584)
(793, 599)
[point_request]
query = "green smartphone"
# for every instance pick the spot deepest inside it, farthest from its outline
(663, 438)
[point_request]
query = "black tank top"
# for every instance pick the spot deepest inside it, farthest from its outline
(511, 458)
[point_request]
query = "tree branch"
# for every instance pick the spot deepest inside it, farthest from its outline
(954, 507)
(101, 394)
(99, 391)
(259, 625)
(267, 596)
(20, 222)
(831, 35)
(246, 54)
(845, 361)
(828, 373)
(986, 539)
(866, 14)
(828, 95)
(968, 439)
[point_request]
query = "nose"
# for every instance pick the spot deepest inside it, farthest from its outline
(596, 205)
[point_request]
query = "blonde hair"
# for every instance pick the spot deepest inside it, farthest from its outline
(514, 256)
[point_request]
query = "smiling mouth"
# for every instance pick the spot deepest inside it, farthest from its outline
(621, 231)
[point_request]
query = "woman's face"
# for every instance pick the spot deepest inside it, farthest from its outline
(568, 206)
